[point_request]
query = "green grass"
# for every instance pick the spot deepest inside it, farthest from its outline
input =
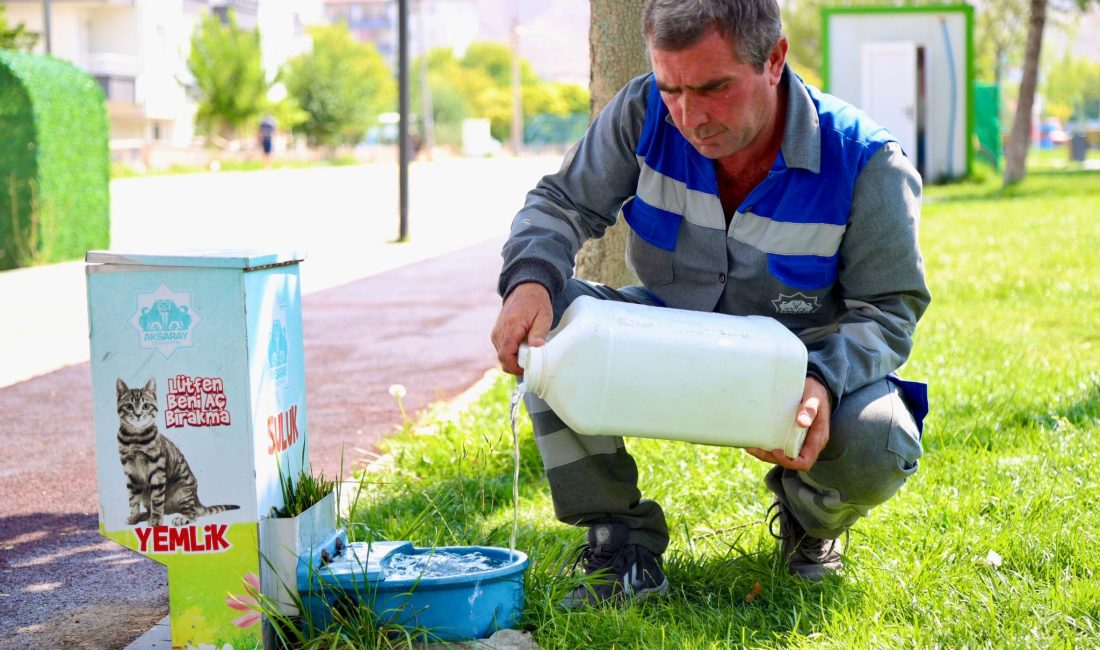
(122, 170)
(1057, 158)
(1011, 350)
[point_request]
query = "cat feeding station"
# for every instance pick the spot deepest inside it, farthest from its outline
(198, 384)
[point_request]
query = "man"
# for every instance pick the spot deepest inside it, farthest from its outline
(267, 136)
(746, 192)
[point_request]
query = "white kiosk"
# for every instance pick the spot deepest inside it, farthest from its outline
(198, 382)
(911, 70)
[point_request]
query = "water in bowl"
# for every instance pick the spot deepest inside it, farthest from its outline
(440, 564)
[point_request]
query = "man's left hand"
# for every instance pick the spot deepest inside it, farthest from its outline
(813, 414)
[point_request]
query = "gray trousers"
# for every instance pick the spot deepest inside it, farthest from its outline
(874, 446)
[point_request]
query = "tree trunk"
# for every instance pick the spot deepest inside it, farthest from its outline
(1020, 139)
(618, 55)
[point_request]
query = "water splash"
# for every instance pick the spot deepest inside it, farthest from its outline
(517, 399)
(412, 566)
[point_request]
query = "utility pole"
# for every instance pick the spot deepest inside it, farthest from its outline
(517, 92)
(403, 111)
(426, 111)
(46, 25)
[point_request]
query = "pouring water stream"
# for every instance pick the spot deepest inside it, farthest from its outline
(517, 399)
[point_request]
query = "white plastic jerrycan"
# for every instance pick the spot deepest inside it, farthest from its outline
(620, 369)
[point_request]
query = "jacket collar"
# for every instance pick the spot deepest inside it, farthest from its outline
(801, 144)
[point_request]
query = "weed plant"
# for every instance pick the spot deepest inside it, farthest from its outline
(993, 543)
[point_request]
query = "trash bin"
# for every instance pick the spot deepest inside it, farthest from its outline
(1078, 147)
(198, 384)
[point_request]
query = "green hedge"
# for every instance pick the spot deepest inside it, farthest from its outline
(54, 163)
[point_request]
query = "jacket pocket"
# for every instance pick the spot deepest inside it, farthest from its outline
(904, 441)
(806, 272)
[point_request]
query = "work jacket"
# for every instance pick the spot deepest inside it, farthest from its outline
(826, 243)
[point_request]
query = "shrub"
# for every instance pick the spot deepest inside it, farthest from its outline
(54, 167)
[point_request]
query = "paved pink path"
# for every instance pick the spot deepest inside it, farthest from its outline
(425, 326)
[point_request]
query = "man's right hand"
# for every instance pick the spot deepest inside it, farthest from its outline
(526, 314)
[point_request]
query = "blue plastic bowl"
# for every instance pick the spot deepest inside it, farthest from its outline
(448, 608)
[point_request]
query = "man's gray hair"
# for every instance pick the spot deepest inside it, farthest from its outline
(752, 26)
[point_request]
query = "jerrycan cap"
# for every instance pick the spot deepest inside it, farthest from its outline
(795, 438)
(533, 362)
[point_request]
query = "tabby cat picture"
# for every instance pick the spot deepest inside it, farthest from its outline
(157, 475)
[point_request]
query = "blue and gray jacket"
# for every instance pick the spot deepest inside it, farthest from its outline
(826, 244)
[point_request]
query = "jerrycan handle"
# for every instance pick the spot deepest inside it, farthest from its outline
(533, 362)
(795, 438)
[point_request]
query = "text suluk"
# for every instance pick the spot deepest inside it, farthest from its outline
(282, 430)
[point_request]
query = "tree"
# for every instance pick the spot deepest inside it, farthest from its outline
(1067, 85)
(1019, 139)
(489, 67)
(495, 59)
(226, 63)
(997, 37)
(618, 55)
(480, 84)
(802, 25)
(450, 89)
(574, 98)
(341, 84)
(17, 37)
(287, 113)
(554, 98)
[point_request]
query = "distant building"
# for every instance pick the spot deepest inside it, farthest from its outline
(432, 23)
(137, 50)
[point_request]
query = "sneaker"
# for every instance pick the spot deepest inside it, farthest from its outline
(811, 558)
(619, 571)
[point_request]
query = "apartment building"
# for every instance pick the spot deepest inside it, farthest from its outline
(432, 23)
(137, 50)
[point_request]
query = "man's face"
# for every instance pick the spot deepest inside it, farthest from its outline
(718, 103)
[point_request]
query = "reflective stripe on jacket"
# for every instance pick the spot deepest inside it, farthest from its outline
(826, 243)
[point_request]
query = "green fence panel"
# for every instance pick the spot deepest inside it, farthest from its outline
(54, 162)
(547, 129)
(987, 119)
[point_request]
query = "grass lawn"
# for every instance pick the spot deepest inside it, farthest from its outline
(993, 543)
(122, 170)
